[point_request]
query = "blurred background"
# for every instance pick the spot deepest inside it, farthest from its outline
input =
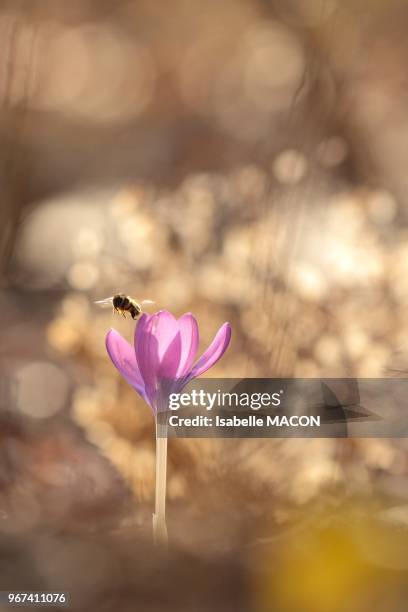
(246, 161)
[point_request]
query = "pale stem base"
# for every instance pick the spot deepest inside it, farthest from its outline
(159, 517)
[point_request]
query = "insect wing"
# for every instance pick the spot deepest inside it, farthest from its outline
(146, 304)
(106, 303)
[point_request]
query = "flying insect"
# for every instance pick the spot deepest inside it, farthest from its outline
(123, 303)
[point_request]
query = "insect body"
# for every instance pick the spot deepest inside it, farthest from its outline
(123, 303)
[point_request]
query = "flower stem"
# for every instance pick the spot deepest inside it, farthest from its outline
(159, 516)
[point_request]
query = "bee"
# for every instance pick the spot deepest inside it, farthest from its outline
(123, 303)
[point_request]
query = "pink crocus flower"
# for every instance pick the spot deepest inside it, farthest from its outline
(162, 358)
(161, 362)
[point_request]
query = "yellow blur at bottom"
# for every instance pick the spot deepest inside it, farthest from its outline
(349, 564)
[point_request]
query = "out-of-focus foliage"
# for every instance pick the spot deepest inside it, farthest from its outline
(245, 161)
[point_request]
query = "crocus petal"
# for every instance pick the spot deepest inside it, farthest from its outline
(147, 355)
(166, 330)
(123, 357)
(158, 350)
(158, 345)
(141, 322)
(140, 325)
(214, 352)
(169, 362)
(188, 329)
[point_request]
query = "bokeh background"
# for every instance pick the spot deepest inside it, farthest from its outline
(244, 160)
